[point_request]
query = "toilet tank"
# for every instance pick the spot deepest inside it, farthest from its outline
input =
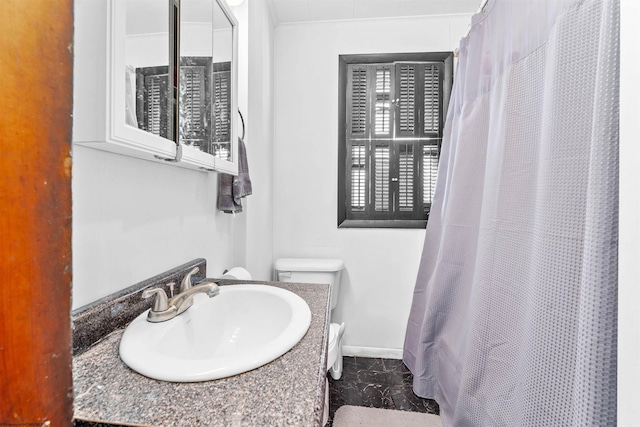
(309, 270)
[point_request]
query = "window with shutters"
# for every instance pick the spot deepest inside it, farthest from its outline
(391, 110)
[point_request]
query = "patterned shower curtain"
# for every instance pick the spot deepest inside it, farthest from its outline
(514, 314)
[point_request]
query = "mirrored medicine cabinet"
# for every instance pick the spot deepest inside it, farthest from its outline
(157, 79)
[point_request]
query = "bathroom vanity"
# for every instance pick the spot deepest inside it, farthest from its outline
(290, 391)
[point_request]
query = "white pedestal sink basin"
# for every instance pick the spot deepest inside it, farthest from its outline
(242, 328)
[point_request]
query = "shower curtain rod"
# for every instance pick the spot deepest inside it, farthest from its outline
(483, 4)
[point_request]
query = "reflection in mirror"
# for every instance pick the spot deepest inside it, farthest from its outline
(147, 67)
(196, 51)
(205, 77)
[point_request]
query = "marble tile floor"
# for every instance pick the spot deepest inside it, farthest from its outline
(376, 383)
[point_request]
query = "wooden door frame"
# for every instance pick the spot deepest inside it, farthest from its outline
(36, 66)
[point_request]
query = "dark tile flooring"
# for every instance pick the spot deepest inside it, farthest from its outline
(376, 383)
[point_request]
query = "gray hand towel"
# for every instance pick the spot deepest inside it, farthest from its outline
(233, 188)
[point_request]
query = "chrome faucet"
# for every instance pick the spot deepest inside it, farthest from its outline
(167, 308)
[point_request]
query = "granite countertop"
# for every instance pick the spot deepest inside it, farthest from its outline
(286, 392)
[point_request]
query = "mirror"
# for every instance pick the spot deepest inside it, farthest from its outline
(148, 81)
(206, 78)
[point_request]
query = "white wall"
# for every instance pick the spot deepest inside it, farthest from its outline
(629, 268)
(260, 142)
(133, 219)
(241, 13)
(381, 265)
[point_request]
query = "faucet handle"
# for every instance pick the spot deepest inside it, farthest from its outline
(185, 285)
(161, 302)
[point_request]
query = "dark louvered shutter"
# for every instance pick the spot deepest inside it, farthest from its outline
(381, 178)
(393, 118)
(406, 178)
(194, 101)
(432, 95)
(406, 99)
(358, 114)
(156, 90)
(432, 129)
(152, 92)
(359, 104)
(430, 157)
(381, 138)
(221, 106)
(358, 178)
(383, 114)
(221, 93)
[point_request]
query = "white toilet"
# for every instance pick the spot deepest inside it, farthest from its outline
(305, 270)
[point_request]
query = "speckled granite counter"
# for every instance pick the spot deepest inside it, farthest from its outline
(286, 392)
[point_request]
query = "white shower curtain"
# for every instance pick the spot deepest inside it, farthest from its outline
(514, 314)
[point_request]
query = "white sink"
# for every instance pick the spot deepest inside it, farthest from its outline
(241, 328)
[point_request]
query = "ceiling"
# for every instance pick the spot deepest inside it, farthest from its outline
(329, 10)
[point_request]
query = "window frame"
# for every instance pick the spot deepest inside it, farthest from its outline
(446, 58)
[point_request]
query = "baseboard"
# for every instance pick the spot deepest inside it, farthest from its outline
(384, 353)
